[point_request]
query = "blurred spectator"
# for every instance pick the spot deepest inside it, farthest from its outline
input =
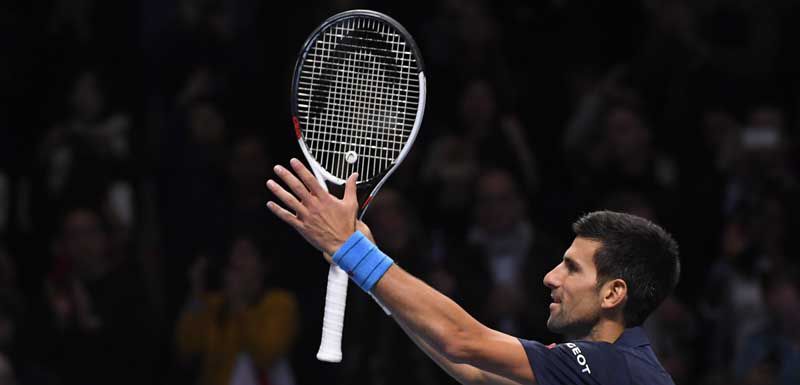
(740, 36)
(732, 300)
(672, 330)
(771, 354)
(611, 146)
(86, 159)
(721, 131)
(100, 318)
(463, 42)
(214, 42)
(249, 167)
(203, 150)
(499, 267)
(448, 171)
(764, 160)
(483, 136)
(193, 174)
(243, 333)
(665, 70)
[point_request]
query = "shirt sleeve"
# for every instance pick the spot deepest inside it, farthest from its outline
(576, 363)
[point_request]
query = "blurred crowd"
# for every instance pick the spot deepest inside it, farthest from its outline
(136, 137)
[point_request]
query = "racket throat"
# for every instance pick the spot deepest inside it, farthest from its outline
(364, 206)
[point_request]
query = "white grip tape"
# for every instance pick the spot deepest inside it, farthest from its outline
(330, 348)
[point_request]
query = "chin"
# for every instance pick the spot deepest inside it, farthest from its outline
(572, 330)
(555, 326)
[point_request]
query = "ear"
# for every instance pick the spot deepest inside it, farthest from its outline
(614, 293)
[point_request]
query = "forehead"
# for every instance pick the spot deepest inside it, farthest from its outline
(582, 251)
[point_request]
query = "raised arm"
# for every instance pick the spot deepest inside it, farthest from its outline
(327, 222)
(464, 373)
(456, 338)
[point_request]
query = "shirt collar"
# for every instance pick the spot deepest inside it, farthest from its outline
(633, 337)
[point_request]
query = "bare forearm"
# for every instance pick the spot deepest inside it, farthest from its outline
(463, 373)
(444, 328)
(435, 319)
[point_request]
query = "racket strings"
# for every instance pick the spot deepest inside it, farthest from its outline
(358, 95)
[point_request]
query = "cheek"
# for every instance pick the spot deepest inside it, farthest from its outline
(584, 303)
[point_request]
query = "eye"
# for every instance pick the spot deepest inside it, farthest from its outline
(572, 266)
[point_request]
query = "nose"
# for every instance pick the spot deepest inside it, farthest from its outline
(551, 279)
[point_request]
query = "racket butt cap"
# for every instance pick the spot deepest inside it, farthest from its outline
(329, 356)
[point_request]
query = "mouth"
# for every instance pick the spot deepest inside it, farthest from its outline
(556, 302)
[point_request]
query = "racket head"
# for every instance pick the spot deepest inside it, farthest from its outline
(358, 98)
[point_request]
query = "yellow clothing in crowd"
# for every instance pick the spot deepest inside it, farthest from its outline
(265, 331)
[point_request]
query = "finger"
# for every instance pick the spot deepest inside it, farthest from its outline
(297, 187)
(307, 177)
(286, 197)
(350, 187)
(284, 215)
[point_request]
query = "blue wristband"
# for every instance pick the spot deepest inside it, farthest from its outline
(362, 260)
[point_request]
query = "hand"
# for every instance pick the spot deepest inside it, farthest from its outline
(322, 219)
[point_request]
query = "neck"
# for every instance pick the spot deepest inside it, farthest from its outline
(604, 330)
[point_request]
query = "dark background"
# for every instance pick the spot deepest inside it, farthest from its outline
(165, 117)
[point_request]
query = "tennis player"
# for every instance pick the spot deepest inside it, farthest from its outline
(616, 272)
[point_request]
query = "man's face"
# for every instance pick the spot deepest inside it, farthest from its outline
(573, 283)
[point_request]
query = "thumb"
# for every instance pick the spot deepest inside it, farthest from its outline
(350, 187)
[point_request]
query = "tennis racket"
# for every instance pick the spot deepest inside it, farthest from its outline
(358, 97)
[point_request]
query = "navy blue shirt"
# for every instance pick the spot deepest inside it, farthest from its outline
(628, 361)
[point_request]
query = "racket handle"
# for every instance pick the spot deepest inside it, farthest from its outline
(330, 348)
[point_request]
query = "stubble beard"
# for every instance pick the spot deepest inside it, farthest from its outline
(573, 329)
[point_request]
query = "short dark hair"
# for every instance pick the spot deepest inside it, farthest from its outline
(637, 251)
